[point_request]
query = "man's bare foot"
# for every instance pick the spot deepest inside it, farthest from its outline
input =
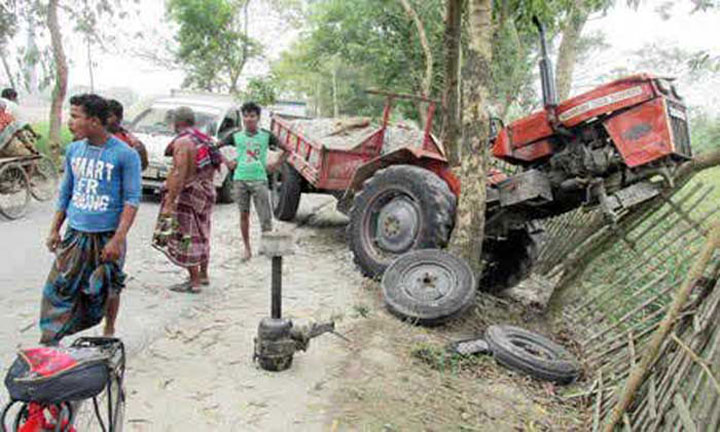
(108, 331)
(246, 256)
(204, 279)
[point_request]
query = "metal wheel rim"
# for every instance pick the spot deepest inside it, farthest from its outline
(44, 179)
(532, 347)
(119, 406)
(13, 181)
(391, 224)
(427, 282)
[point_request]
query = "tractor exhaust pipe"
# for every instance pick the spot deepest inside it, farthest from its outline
(547, 78)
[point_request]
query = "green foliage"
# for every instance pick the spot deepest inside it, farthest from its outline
(43, 129)
(358, 45)
(261, 90)
(374, 43)
(213, 46)
(704, 131)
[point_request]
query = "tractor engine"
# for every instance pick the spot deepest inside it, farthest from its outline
(606, 147)
(588, 156)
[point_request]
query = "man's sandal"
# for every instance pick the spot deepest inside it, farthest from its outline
(185, 287)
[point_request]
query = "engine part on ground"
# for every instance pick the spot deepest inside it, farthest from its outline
(277, 338)
(400, 208)
(428, 286)
(531, 353)
(510, 259)
(472, 346)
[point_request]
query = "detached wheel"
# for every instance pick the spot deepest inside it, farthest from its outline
(225, 192)
(529, 352)
(14, 190)
(428, 286)
(399, 209)
(285, 191)
(43, 179)
(509, 261)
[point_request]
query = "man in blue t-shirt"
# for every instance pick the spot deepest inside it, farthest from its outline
(99, 196)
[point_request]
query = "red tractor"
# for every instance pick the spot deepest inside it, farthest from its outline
(606, 147)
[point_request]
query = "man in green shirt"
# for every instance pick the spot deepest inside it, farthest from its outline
(251, 171)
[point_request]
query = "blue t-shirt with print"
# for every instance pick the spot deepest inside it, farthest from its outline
(98, 182)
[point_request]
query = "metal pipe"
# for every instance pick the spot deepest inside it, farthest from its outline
(546, 69)
(276, 292)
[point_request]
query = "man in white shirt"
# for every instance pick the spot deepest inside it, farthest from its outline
(8, 101)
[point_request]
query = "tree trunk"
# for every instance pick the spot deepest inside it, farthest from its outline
(427, 79)
(6, 66)
(90, 66)
(451, 96)
(467, 238)
(567, 52)
(61, 79)
(426, 82)
(235, 74)
(336, 109)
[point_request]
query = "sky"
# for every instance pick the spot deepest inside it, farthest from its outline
(625, 30)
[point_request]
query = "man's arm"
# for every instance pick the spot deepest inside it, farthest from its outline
(131, 193)
(181, 168)
(142, 151)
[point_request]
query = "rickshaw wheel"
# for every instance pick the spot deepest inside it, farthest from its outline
(14, 190)
(43, 179)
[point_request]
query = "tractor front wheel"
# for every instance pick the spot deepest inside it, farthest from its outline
(510, 260)
(400, 208)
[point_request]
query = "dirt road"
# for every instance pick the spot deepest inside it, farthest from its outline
(190, 364)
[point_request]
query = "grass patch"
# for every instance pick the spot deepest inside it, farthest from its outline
(43, 129)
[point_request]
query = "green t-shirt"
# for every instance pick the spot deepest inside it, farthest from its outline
(252, 154)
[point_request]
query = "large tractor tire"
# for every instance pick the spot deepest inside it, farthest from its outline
(285, 191)
(428, 286)
(509, 261)
(400, 208)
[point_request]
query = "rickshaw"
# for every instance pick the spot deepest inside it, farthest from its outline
(24, 171)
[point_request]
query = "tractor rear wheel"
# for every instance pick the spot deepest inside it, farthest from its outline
(285, 191)
(509, 261)
(400, 208)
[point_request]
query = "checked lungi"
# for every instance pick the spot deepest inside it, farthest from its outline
(78, 286)
(184, 237)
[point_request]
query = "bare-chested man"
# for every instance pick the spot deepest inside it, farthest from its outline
(183, 230)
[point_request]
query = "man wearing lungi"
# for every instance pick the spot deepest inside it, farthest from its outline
(183, 229)
(99, 196)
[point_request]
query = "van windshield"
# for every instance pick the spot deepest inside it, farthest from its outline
(158, 120)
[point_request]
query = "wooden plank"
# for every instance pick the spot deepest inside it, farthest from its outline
(684, 413)
(598, 402)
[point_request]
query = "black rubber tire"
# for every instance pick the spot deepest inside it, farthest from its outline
(435, 203)
(531, 353)
(225, 191)
(509, 261)
(14, 181)
(44, 179)
(402, 296)
(286, 199)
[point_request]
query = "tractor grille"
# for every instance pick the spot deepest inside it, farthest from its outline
(680, 131)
